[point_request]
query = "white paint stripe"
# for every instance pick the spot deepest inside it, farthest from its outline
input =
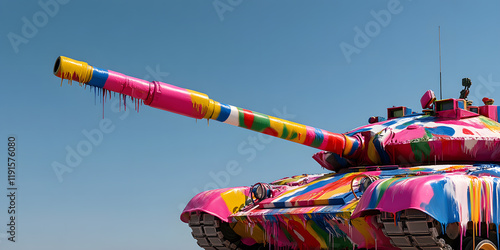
(298, 235)
(234, 117)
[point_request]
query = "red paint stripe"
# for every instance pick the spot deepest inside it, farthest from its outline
(309, 239)
(248, 117)
(335, 143)
(467, 132)
(270, 131)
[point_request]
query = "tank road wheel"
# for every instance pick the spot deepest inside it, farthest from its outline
(212, 233)
(481, 244)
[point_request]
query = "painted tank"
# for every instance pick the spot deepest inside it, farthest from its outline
(425, 180)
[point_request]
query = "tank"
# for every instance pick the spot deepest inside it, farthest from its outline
(426, 180)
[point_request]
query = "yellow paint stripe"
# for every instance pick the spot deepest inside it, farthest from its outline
(362, 226)
(216, 111)
(68, 67)
(200, 102)
(276, 125)
(336, 191)
(234, 199)
(372, 152)
(293, 128)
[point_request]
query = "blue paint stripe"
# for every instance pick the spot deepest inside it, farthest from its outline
(225, 110)
(355, 146)
(498, 113)
(441, 130)
(495, 202)
(373, 199)
(407, 111)
(279, 204)
(380, 150)
(468, 203)
(338, 200)
(318, 138)
(99, 77)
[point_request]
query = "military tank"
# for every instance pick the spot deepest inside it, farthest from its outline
(426, 180)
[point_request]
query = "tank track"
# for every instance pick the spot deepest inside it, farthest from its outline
(413, 230)
(212, 233)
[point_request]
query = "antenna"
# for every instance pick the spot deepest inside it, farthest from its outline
(440, 82)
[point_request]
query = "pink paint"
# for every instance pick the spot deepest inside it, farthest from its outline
(137, 88)
(131, 86)
(321, 157)
(156, 94)
(410, 133)
(326, 136)
(175, 99)
(427, 99)
(248, 241)
(391, 200)
(310, 135)
(489, 111)
(274, 234)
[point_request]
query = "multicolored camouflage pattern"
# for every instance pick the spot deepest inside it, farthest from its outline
(442, 163)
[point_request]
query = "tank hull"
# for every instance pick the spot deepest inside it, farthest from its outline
(330, 211)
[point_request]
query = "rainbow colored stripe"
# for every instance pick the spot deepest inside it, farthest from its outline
(199, 106)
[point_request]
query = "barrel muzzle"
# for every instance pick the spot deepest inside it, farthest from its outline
(72, 70)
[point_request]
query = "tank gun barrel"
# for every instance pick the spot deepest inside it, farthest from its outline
(199, 106)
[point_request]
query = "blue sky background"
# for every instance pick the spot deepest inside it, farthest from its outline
(127, 193)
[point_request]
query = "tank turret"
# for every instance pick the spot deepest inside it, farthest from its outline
(447, 132)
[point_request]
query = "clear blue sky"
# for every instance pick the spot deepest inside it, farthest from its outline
(261, 55)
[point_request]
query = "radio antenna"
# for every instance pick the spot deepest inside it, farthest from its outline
(440, 82)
